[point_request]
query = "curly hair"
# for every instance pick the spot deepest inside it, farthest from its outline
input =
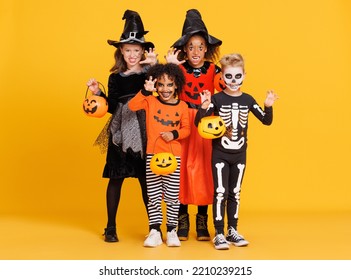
(171, 70)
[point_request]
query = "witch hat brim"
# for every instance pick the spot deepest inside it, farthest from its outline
(117, 44)
(133, 32)
(193, 24)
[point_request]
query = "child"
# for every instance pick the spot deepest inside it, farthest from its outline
(195, 52)
(229, 151)
(167, 122)
(125, 158)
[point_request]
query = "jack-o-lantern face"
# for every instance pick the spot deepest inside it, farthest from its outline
(211, 127)
(166, 119)
(95, 106)
(218, 82)
(163, 163)
(195, 89)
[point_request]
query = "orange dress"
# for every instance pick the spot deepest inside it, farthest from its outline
(196, 181)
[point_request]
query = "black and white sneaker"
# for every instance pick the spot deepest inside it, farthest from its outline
(235, 238)
(220, 243)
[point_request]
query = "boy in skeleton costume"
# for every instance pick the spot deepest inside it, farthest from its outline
(229, 151)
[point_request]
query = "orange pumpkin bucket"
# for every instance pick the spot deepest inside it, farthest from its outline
(94, 105)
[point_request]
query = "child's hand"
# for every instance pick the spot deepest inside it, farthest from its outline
(150, 84)
(93, 86)
(172, 57)
(270, 98)
(150, 57)
(205, 99)
(167, 136)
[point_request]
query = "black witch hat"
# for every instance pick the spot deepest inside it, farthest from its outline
(193, 24)
(133, 32)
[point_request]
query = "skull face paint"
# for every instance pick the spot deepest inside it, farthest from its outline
(233, 77)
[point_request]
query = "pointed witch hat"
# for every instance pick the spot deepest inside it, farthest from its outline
(133, 32)
(193, 24)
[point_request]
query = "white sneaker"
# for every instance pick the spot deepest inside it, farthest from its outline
(235, 238)
(172, 239)
(220, 243)
(153, 239)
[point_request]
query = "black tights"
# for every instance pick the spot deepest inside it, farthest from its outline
(113, 195)
(201, 209)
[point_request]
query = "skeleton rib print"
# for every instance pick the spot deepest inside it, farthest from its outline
(233, 115)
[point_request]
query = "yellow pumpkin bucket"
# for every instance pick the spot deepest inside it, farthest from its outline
(163, 163)
(211, 127)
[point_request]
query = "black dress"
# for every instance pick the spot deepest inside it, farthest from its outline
(120, 164)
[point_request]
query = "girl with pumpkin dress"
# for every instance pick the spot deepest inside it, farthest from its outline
(195, 53)
(124, 135)
(167, 122)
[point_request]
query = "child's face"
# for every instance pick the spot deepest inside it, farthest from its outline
(195, 50)
(132, 54)
(166, 88)
(233, 77)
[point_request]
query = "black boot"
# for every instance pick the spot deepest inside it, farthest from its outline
(201, 227)
(110, 234)
(183, 227)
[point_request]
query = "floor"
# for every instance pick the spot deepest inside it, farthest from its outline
(272, 236)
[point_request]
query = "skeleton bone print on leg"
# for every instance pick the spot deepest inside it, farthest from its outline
(220, 190)
(233, 116)
(237, 188)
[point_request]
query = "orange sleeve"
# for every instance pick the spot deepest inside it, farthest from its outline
(138, 102)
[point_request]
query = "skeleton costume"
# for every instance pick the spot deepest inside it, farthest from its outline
(229, 152)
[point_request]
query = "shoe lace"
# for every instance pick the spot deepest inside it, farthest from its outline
(234, 233)
(152, 233)
(201, 222)
(173, 233)
(183, 222)
(219, 238)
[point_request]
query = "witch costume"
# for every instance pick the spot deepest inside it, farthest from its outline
(124, 135)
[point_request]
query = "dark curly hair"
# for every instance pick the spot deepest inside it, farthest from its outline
(173, 72)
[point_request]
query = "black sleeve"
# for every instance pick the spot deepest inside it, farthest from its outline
(112, 97)
(265, 116)
(175, 134)
(203, 113)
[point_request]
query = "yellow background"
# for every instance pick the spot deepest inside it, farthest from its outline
(49, 49)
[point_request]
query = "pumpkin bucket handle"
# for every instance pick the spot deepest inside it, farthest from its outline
(104, 91)
(170, 145)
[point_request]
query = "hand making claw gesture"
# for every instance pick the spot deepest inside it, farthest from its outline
(205, 99)
(270, 98)
(150, 57)
(150, 84)
(172, 57)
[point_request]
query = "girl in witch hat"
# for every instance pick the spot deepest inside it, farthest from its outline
(195, 52)
(124, 134)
